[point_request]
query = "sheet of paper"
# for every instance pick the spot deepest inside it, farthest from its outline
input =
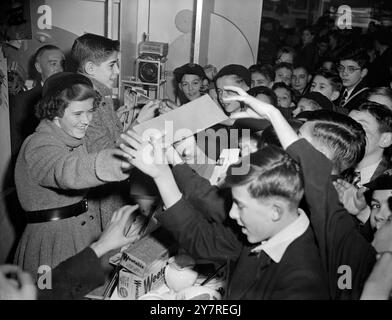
(184, 121)
(227, 157)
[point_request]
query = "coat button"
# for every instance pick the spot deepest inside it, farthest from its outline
(91, 217)
(83, 223)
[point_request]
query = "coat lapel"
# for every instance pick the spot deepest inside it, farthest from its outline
(246, 273)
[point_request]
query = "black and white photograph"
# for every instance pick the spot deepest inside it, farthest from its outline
(202, 153)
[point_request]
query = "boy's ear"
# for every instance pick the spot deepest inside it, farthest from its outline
(386, 140)
(89, 68)
(277, 211)
(335, 95)
(364, 72)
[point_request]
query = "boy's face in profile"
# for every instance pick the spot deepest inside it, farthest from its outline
(255, 217)
(380, 210)
(371, 128)
(107, 72)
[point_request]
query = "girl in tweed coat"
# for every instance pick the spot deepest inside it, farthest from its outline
(54, 170)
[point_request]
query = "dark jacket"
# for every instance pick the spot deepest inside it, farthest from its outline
(299, 274)
(357, 97)
(340, 242)
(75, 277)
(379, 71)
(22, 117)
(214, 203)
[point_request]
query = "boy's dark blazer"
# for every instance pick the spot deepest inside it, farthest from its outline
(357, 97)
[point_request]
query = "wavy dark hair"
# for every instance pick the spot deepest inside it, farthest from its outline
(54, 105)
(272, 173)
(341, 135)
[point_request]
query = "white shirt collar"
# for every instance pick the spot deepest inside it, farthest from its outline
(367, 172)
(276, 246)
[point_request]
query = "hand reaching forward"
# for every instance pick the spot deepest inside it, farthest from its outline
(114, 235)
(353, 199)
(258, 109)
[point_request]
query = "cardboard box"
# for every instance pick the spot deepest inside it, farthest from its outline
(132, 286)
(141, 257)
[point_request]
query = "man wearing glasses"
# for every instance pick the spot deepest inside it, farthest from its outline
(352, 70)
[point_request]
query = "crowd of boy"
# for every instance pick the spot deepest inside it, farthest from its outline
(311, 217)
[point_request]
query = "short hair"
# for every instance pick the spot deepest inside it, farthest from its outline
(266, 70)
(357, 54)
(92, 47)
(287, 50)
(272, 173)
(381, 113)
(269, 136)
(266, 91)
(341, 135)
(381, 91)
(53, 106)
(333, 78)
(42, 49)
(301, 66)
(282, 65)
(314, 104)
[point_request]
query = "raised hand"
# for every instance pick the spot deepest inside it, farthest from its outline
(148, 156)
(353, 199)
(114, 235)
(148, 111)
(257, 108)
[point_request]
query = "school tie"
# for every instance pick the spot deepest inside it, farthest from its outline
(344, 98)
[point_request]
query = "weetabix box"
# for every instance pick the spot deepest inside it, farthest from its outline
(132, 286)
(141, 256)
(143, 265)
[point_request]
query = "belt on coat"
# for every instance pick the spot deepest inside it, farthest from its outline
(54, 214)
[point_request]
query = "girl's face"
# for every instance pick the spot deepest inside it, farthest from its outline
(381, 213)
(76, 118)
(284, 97)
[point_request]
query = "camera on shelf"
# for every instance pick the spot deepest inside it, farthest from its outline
(150, 65)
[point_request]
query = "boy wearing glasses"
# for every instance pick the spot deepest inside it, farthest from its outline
(352, 68)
